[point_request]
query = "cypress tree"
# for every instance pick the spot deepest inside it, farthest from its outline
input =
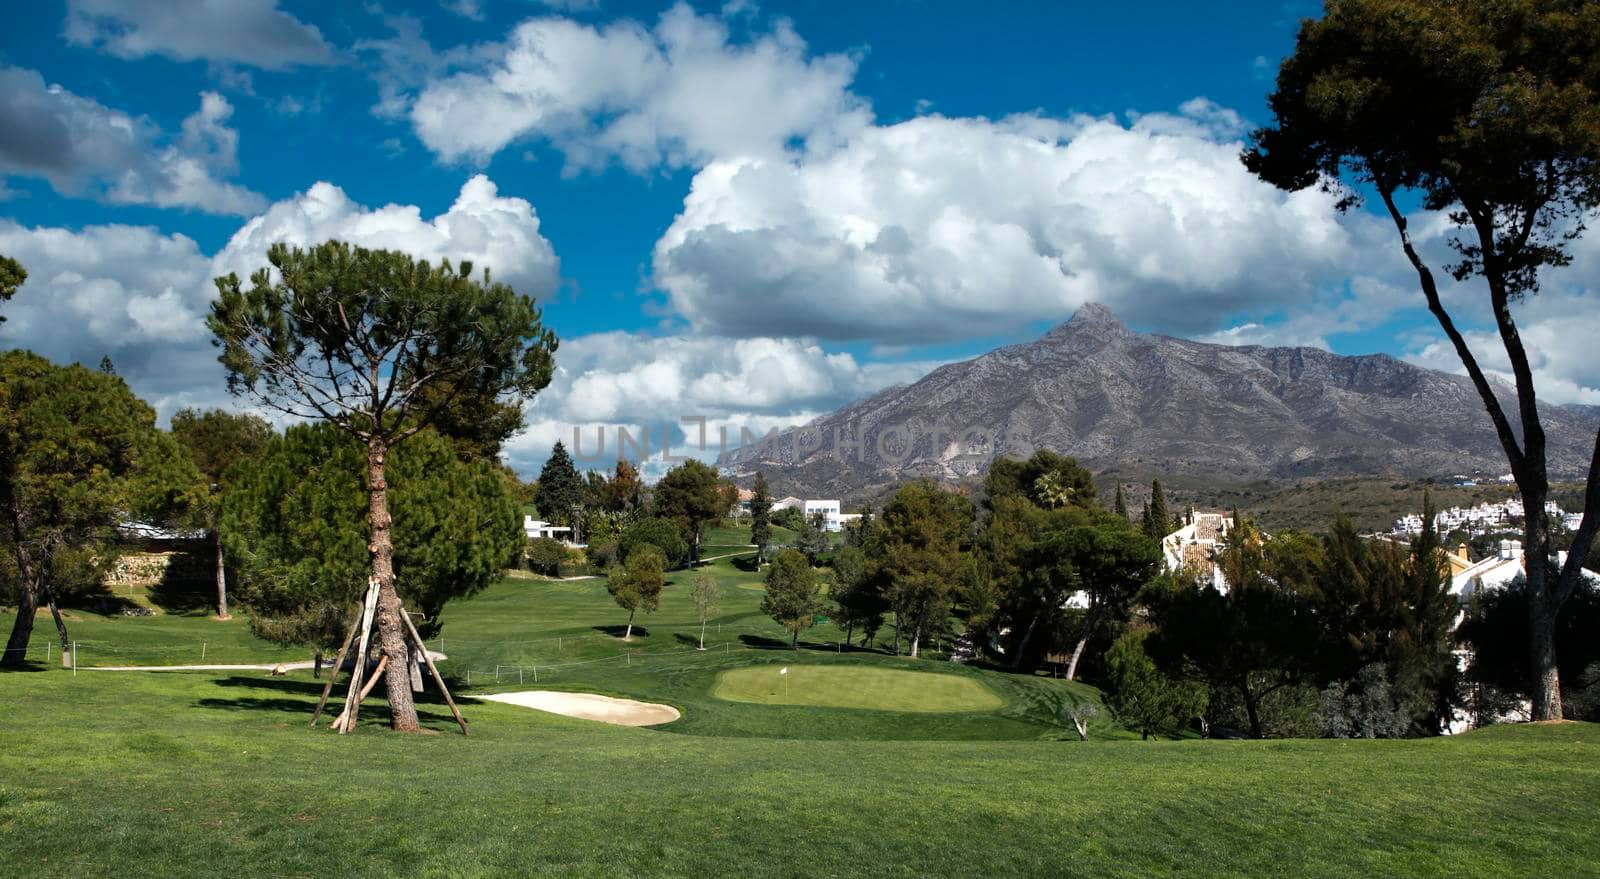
(1121, 506)
(1160, 523)
(760, 514)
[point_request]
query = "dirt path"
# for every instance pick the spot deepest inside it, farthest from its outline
(297, 665)
(590, 706)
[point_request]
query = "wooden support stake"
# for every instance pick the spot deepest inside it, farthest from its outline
(437, 679)
(383, 663)
(337, 665)
(352, 701)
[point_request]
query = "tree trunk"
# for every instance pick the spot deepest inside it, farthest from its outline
(849, 631)
(1077, 653)
(27, 596)
(1251, 710)
(702, 633)
(222, 582)
(916, 639)
(1546, 678)
(22, 629)
(628, 635)
(897, 633)
(1027, 637)
(794, 640)
(391, 632)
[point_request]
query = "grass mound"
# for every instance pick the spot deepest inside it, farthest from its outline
(855, 686)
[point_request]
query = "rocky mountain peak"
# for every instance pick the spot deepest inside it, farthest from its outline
(1091, 320)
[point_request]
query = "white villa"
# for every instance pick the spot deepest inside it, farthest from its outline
(828, 510)
(540, 528)
(1193, 545)
(1504, 568)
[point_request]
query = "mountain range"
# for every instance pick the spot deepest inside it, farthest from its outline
(1137, 403)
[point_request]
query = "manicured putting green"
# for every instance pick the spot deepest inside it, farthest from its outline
(850, 686)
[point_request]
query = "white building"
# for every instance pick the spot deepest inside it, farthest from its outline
(828, 510)
(1505, 569)
(790, 502)
(1194, 545)
(540, 528)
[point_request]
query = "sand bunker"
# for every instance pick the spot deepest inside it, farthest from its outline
(623, 712)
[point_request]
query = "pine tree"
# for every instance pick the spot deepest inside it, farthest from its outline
(792, 598)
(382, 346)
(561, 489)
(293, 522)
(12, 274)
(217, 440)
(1121, 506)
(78, 453)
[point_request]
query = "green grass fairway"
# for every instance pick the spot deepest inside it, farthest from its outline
(206, 775)
(887, 768)
(854, 686)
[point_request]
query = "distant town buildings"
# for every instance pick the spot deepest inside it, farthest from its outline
(1481, 519)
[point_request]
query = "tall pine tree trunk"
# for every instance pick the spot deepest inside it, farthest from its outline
(628, 635)
(1544, 676)
(61, 625)
(22, 629)
(222, 582)
(1077, 653)
(391, 631)
(1252, 708)
(1027, 637)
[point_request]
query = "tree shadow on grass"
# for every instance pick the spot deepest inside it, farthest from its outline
(310, 691)
(178, 592)
(762, 642)
(746, 563)
(374, 706)
(639, 630)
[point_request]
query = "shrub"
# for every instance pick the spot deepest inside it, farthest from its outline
(545, 555)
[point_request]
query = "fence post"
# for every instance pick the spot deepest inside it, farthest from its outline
(469, 678)
(202, 651)
(74, 658)
(497, 674)
(536, 674)
(519, 677)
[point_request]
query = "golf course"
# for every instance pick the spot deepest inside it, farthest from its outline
(865, 761)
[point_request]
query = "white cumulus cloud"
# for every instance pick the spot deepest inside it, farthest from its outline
(251, 32)
(500, 233)
(648, 385)
(141, 297)
(941, 228)
(83, 147)
(677, 94)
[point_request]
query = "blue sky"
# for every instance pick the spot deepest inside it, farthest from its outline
(753, 212)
